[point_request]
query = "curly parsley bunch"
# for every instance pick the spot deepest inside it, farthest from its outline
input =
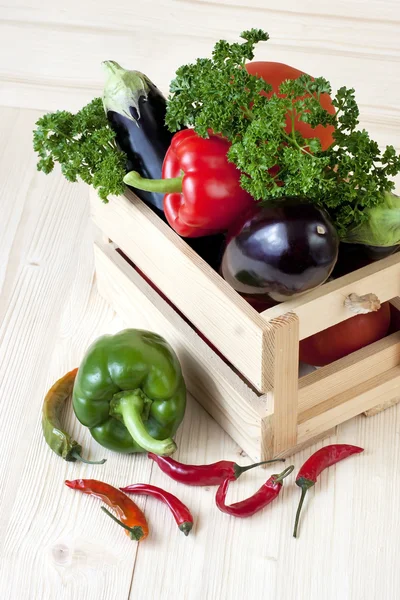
(348, 179)
(84, 145)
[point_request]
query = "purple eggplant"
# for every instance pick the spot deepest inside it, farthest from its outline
(281, 251)
(136, 109)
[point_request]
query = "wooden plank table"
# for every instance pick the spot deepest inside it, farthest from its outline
(55, 543)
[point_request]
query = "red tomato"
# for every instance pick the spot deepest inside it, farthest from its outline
(275, 73)
(345, 337)
(395, 321)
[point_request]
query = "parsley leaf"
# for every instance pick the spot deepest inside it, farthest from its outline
(348, 179)
(84, 145)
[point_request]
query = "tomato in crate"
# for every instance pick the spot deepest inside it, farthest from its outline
(346, 337)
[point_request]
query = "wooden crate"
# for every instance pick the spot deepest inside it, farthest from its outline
(251, 386)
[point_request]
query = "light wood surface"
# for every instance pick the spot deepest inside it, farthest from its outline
(55, 543)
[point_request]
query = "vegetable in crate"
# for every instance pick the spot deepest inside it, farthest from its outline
(136, 109)
(130, 392)
(203, 194)
(350, 178)
(371, 323)
(275, 74)
(355, 256)
(280, 251)
(85, 147)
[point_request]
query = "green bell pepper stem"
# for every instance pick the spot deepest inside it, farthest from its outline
(163, 186)
(130, 406)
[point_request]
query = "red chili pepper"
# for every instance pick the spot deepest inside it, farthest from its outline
(212, 474)
(320, 460)
(132, 518)
(202, 188)
(181, 513)
(264, 496)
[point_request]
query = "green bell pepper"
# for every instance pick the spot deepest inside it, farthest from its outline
(130, 392)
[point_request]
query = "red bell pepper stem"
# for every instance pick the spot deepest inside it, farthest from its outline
(320, 460)
(264, 496)
(180, 512)
(132, 518)
(202, 190)
(212, 474)
(163, 186)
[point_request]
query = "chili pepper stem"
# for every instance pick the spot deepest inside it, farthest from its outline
(135, 533)
(130, 405)
(279, 478)
(186, 527)
(305, 485)
(239, 470)
(163, 186)
(75, 454)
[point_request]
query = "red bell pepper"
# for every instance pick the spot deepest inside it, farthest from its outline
(202, 188)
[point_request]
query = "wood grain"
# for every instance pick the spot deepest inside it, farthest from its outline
(284, 397)
(57, 544)
(332, 380)
(319, 40)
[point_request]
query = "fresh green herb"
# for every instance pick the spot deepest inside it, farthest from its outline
(84, 145)
(218, 94)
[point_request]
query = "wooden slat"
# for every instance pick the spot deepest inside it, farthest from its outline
(284, 397)
(350, 371)
(324, 306)
(120, 15)
(340, 408)
(197, 291)
(342, 9)
(337, 48)
(213, 383)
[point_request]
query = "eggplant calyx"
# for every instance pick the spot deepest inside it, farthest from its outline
(123, 90)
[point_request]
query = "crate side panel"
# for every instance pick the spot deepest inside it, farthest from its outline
(378, 390)
(347, 373)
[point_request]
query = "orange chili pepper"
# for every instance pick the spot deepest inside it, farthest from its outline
(132, 517)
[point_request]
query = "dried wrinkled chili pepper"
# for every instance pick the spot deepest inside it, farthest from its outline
(212, 474)
(180, 512)
(59, 440)
(132, 517)
(320, 460)
(248, 507)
